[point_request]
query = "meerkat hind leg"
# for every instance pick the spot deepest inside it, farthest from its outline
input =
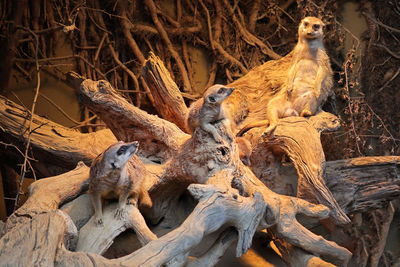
(98, 213)
(133, 200)
(309, 109)
(122, 200)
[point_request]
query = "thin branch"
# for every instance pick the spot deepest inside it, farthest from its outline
(96, 56)
(164, 36)
(187, 62)
(208, 23)
(63, 58)
(248, 37)
(382, 123)
(230, 58)
(380, 23)
(126, 25)
(393, 54)
(353, 127)
(389, 81)
(125, 68)
(253, 15)
(23, 167)
(59, 108)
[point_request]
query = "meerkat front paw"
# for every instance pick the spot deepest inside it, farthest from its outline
(119, 213)
(132, 201)
(305, 113)
(218, 139)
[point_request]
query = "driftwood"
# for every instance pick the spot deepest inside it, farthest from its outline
(51, 142)
(225, 196)
(298, 138)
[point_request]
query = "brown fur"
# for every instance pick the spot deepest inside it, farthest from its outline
(244, 150)
(309, 81)
(111, 177)
(208, 110)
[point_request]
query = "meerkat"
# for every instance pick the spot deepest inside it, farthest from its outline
(208, 110)
(110, 177)
(309, 81)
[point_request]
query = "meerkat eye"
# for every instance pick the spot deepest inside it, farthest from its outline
(121, 150)
(316, 26)
(220, 91)
(306, 23)
(211, 99)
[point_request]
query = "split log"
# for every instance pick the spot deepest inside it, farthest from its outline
(168, 99)
(159, 139)
(50, 142)
(364, 184)
(299, 139)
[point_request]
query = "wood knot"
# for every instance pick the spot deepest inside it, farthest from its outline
(237, 184)
(223, 154)
(103, 86)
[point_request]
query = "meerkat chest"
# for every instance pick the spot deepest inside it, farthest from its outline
(306, 70)
(115, 179)
(211, 113)
(305, 75)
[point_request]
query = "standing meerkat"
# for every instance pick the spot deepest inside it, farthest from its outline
(110, 177)
(309, 80)
(310, 76)
(207, 110)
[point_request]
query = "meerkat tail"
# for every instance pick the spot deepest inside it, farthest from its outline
(252, 125)
(144, 198)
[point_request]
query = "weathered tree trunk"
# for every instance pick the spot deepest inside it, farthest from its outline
(229, 198)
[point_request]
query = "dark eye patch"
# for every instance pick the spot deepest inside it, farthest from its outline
(211, 99)
(220, 91)
(122, 150)
(306, 23)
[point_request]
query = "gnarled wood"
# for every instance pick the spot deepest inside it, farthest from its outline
(47, 194)
(51, 142)
(363, 184)
(97, 239)
(272, 211)
(167, 97)
(198, 160)
(300, 141)
(158, 138)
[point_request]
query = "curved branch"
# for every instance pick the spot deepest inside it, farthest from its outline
(115, 111)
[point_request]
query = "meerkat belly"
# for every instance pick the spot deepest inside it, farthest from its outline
(305, 77)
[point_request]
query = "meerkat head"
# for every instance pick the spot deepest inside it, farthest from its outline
(117, 155)
(217, 93)
(311, 28)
